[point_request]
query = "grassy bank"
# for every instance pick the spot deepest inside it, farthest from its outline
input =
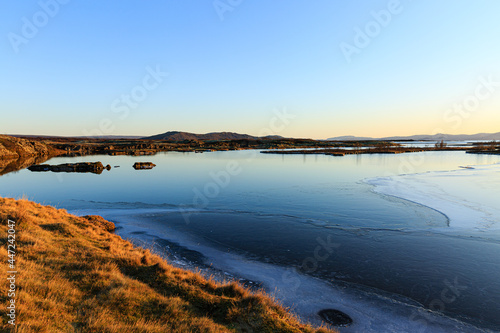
(75, 275)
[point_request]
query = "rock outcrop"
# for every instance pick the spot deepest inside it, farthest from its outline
(335, 317)
(17, 154)
(144, 165)
(11, 147)
(96, 167)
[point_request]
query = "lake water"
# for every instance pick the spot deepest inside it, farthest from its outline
(414, 231)
(430, 144)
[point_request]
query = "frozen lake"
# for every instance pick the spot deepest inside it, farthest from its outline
(398, 242)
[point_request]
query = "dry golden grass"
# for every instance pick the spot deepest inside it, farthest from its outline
(76, 276)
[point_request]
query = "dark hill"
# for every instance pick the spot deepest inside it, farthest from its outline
(182, 136)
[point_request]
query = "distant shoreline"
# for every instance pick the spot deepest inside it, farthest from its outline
(18, 153)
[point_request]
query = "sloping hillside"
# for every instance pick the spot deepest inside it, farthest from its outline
(11, 147)
(182, 136)
(75, 275)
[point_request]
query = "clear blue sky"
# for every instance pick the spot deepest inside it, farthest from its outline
(231, 67)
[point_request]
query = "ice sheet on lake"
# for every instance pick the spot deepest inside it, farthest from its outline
(467, 196)
(304, 295)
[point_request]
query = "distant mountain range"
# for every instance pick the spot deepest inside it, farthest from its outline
(219, 136)
(182, 136)
(424, 137)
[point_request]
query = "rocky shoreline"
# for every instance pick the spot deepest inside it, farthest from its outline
(19, 153)
(15, 148)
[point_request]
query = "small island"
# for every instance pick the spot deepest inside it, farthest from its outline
(143, 165)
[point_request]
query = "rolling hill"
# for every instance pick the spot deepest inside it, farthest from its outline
(182, 136)
(424, 137)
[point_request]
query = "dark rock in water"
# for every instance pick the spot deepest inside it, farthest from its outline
(179, 252)
(108, 167)
(335, 317)
(144, 165)
(83, 167)
(252, 285)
